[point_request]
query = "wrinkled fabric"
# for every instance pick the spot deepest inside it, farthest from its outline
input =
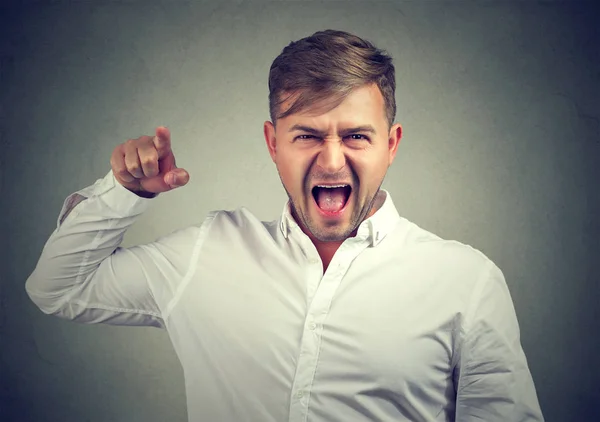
(402, 326)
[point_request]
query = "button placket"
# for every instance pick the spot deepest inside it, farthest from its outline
(307, 361)
(320, 291)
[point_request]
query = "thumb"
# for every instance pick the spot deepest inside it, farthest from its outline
(177, 177)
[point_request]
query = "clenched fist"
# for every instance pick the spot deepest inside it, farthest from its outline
(146, 165)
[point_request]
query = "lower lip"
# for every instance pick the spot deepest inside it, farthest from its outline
(328, 214)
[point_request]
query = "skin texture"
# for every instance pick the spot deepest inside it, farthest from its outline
(359, 158)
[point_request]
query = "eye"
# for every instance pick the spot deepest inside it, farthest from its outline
(305, 137)
(358, 137)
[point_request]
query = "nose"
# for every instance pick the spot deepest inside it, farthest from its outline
(331, 157)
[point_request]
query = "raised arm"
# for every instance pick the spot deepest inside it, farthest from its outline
(84, 275)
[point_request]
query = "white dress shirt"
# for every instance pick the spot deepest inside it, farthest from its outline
(403, 325)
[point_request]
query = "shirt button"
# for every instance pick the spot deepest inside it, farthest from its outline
(312, 326)
(313, 261)
(299, 394)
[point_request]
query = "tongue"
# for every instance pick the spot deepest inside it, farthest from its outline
(331, 199)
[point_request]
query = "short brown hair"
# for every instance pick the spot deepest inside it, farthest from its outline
(328, 65)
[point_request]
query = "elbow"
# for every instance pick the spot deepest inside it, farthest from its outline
(33, 288)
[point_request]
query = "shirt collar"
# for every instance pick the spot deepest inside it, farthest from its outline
(373, 229)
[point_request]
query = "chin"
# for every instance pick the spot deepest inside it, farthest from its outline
(331, 236)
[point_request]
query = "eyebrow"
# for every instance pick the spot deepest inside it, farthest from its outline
(348, 131)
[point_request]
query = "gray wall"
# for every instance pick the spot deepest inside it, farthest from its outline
(499, 102)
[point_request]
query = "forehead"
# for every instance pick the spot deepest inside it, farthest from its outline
(362, 103)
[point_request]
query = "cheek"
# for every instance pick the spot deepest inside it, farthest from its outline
(370, 169)
(293, 172)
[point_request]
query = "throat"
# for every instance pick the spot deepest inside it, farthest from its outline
(331, 199)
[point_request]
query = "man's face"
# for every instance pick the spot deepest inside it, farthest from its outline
(332, 163)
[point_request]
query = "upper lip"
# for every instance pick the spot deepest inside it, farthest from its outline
(332, 184)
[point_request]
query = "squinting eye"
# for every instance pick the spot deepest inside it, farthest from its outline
(358, 137)
(305, 137)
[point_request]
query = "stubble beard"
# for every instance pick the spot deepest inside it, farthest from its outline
(339, 233)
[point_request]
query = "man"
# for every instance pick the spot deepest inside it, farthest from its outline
(341, 310)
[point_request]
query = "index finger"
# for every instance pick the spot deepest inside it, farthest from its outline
(162, 141)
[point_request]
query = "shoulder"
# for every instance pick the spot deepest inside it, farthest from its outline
(238, 222)
(240, 216)
(446, 255)
(465, 275)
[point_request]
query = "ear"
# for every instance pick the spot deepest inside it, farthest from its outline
(269, 131)
(394, 141)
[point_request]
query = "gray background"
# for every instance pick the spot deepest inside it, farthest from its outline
(499, 103)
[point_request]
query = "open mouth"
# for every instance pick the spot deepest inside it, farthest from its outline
(331, 199)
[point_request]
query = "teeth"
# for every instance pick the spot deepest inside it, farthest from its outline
(331, 186)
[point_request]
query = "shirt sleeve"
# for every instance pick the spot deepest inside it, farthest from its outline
(84, 275)
(493, 379)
